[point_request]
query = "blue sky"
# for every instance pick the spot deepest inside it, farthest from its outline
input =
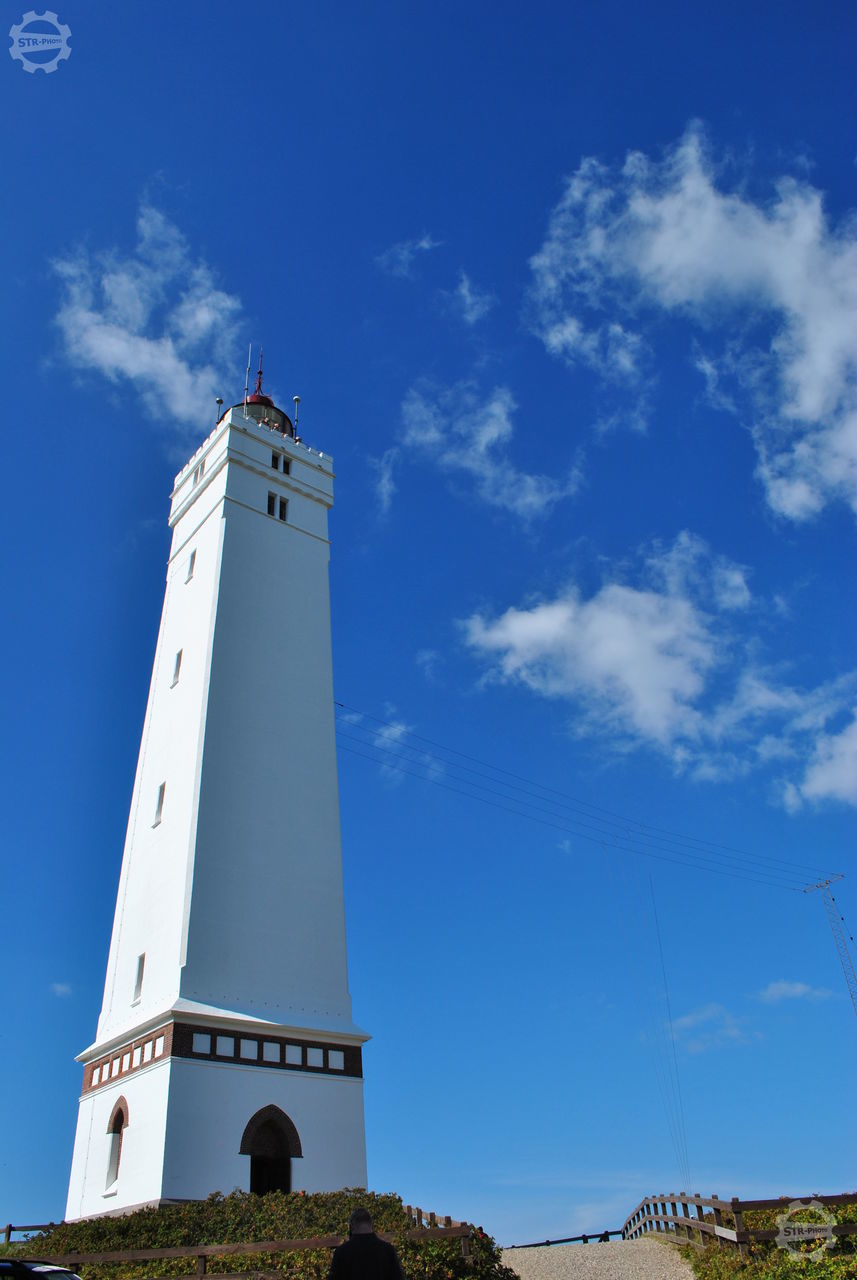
(570, 294)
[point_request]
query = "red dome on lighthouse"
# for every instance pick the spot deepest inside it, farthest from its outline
(263, 410)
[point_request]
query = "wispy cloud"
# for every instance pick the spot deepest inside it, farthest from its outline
(468, 436)
(652, 659)
(429, 661)
(399, 259)
(711, 1026)
(61, 989)
(627, 245)
(385, 479)
(473, 304)
(776, 992)
(154, 318)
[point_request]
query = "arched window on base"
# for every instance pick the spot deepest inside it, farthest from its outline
(115, 1128)
(272, 1142)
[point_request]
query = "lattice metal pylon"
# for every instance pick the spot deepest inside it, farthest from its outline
(838, 934)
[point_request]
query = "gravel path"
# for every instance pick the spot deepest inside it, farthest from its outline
(619, 1260)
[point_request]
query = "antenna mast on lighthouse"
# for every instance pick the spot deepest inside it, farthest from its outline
(247, 377)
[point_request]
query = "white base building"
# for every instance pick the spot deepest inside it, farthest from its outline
(226, 1055)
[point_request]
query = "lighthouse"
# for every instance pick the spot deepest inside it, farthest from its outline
(225, 1054)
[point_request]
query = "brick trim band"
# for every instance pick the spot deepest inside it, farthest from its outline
(213, 1044)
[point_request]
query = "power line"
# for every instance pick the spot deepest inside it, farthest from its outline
(393, 749)
(612, 817)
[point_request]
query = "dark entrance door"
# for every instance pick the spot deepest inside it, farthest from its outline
(268, 1174)
(270, 1160)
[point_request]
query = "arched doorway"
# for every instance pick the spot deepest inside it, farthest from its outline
(272, 1142)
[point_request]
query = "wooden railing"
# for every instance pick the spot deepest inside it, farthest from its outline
(419, 1218)
(688, 1217)
(8, 1230)
(201, 1253)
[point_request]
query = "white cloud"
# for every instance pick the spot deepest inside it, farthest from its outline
(385, 482)
(668, 236)
(399, 259)
(429, 661)
(473, 304)
(656, 662)
(775, 992)
(61, 989)
(153, 317)
(832, 771)
(464, 435)
(635, 660)
(711, 1026)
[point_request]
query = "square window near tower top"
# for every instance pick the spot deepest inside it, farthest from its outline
(159, 809)
(284, 506)
(191, 565)
(272, 504)
(177, 668)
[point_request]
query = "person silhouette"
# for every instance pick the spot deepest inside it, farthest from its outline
(364, 1256)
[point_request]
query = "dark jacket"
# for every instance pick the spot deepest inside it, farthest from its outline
(365, 1257)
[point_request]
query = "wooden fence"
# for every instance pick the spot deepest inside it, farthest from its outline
(692, 1219)
(8, 1230)
(424, 1226)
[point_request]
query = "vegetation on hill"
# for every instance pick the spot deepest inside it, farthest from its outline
(768, 1262)
(241, 1217)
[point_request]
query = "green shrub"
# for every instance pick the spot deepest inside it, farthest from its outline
(241, 1217)
(768, 1262)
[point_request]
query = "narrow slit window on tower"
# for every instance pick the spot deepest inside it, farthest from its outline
(275, 460)
(287, 467)
(272, 504)
(115, 1128)
(138, 981)
(284, 506)
(198, 473)
(191, 565)
(159, 810)
(177, 668)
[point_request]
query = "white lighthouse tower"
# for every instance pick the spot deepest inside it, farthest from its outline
(226, 1055)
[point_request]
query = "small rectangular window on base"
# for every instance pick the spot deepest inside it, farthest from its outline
(177, 668)
(284, 506)
(272, 504)
(191, 565)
